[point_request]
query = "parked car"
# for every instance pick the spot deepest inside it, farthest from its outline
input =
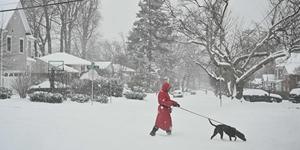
(259, 95)
(193, 92)
(177, 93)
(294, 95)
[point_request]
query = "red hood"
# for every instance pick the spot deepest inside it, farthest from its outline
(166, 86)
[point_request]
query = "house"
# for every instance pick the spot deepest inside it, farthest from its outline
(256, 83)
(16, 41)
(269, 82)
(66, 66)
(289, 72)
(107, 68)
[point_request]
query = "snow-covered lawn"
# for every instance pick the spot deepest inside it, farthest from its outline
(125, 124)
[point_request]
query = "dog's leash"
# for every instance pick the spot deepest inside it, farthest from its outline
(200, 115)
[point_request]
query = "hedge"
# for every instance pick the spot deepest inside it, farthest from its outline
(46, 97)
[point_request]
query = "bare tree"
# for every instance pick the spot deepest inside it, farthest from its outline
(40, 22)
(88, 18)
(68, 14)
(47, 15)
(205, 23)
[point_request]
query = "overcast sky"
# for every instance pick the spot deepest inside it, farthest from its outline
(118, 15)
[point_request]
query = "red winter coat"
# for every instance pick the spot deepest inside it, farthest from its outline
(163, 119)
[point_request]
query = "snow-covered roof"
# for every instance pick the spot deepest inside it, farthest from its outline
(118, 67)
(292, 65)
(70, 69)
(30, 59)
(68, 59)
(6, 16)
(268, 77)
(103, 64)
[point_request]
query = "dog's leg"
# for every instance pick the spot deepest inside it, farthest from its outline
(221, 134)
(234, 138)
(230, 138)
(215, 133)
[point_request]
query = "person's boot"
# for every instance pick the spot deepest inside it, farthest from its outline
(169, 132)
(152, 133)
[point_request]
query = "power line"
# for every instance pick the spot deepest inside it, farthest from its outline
(37, 6)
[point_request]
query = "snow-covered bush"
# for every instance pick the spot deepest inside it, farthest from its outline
(61, 90)
(46, 97)
(80, 98)
(135, 95)
(5, 93)
(101, 99)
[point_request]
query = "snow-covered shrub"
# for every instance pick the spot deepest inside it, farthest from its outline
(135, 95)
(5, 93)
(80, 98)
(21, 84)
(101, 99)
(46, 97)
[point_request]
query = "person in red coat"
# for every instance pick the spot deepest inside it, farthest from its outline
(163, 119)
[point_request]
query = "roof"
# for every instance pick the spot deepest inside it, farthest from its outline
(103, 64)
(68, 59)
(70, 69)
(118, 67)
(292, 65)
(5, 16)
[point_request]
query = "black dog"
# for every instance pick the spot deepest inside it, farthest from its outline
(230, 131)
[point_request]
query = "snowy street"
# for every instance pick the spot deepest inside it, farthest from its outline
(125, 124)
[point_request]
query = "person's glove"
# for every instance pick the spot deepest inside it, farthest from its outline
(176, 105)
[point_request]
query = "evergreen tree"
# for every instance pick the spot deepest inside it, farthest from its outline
(150, 37)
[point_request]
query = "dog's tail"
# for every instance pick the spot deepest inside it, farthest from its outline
(211, 123)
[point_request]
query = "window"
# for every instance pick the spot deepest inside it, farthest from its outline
(8, 43)
(21, 45)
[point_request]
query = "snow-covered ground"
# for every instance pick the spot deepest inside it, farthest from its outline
(125, 124)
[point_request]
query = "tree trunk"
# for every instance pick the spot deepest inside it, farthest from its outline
(62, 29)
(48, 27)
(83, 48)
(239, 90)
(69, 39)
